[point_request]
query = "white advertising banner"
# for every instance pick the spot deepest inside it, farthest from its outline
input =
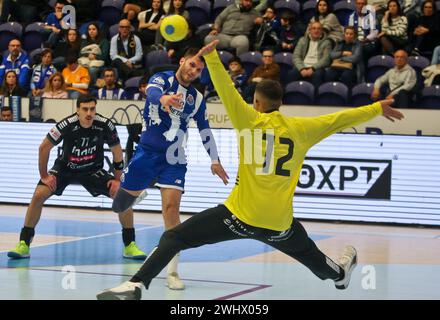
(351, 177)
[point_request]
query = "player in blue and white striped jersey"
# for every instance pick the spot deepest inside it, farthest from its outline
(171, 103)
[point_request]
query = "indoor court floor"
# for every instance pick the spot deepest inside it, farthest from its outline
(77, 253)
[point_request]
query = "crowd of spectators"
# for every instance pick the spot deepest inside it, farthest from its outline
(323, 46)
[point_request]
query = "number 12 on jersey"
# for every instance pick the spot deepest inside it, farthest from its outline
(270, 144)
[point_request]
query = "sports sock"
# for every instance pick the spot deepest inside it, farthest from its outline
(128, 235)
(27, 234)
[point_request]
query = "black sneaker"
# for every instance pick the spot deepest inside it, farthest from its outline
(125, 291)
(347, 262)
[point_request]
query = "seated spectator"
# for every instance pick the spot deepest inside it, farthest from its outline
(110, 91)
(132, 8)
(176, 7)
(149, 22)
(71, 45)
(126, 52)
(94, 52)
(142, 94)
(394, 34)
(425, 36)
(17, 61)
(76, 77)
(432, 72)
(400, 82)
(10, 87)
(311, 56)
(55, 87)
(379, 6)
(6, 114)
(432, 75)
(42, 73)
(233, 25)
(177, 49)
(54, 24)
(290, 32)
(238, 77)
(412, 9)
(267, 70)
(349, 52)
(268, 34)
(330, 23)
(364, 20)
(237, 73)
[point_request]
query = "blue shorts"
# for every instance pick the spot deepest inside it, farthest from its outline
(147, 166)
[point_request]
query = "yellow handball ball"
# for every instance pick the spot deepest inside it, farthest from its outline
(174, 28)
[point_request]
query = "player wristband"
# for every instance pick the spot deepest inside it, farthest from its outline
(118, 165)
(215, 161)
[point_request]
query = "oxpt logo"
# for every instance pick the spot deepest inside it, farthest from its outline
(345, 178)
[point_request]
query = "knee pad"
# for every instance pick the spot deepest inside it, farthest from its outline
(123, 201)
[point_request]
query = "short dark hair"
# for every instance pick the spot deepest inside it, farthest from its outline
(84, 98)
(351, 28)
(46, 51)
(191, 52)
(108, 69)
(143, 81)
(5, 108)
(71, 57)
(286, 15)
(272, 90)
(235, 59)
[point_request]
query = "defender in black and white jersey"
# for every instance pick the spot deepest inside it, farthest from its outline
(81, 162)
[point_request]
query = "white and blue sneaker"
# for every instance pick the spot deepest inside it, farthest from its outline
(125, 291)
(348, 261)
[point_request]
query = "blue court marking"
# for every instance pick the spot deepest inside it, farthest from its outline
(108, 248)
(68, 228)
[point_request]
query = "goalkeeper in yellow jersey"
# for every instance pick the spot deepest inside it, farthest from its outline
(260, 206)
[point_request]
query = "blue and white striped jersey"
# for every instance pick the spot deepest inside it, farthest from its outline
(162, 129)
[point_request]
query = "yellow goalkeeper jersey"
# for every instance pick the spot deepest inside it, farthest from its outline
(272, 148)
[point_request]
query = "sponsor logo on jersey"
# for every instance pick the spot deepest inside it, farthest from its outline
(83, 152)
(97, 128)
(73, 159)
(55, 133)
(158, 80)
(178, 113)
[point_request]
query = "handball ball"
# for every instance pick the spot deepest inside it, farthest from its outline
(174, 28)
